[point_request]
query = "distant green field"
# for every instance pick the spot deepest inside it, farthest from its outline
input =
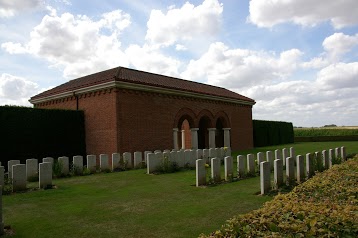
(332, 131)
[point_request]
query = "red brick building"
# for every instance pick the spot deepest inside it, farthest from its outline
(131, 110)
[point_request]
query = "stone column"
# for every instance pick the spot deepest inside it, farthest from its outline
(183, 139)
(211, 137)
(175, 138)
(227, 137)
(194, 138)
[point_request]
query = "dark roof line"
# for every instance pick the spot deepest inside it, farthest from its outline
(119, 74)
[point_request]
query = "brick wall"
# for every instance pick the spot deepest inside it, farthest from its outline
(120, 120)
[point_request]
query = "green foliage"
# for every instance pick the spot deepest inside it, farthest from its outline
(324, 206)
(324, 132)
(57, 169)
(167, 166)
(37, 133)
(7, 188)
(86, 171)
(268, 133)
(75, 170)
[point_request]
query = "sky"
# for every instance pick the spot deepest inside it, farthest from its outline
(298, 59)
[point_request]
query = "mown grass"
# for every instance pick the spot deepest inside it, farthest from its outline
(341, 131)
(134, 204)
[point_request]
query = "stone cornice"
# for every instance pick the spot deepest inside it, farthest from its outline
(139, 87)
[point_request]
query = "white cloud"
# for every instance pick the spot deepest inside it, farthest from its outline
(150, 59)
(77, 44)
(339, 76)
(179, 47)
(9, 8)
(338, 44)
(185, 23)
(16, 90)
(267, 13)
(235, 68)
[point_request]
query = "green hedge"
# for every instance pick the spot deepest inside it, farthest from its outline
(323, 206)
(268, 133)
(37, 133)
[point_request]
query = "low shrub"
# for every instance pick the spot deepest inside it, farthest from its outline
(166, 166)
(324, 206)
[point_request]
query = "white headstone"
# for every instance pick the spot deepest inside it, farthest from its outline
(10, 163)
(145, 155)
(269, 158)
(278, 172)
(241, 166)
(153, 163)
(337, 152)
(91, 163)
(260, 158)
(309, 165)
(277, 154)
(127, 156)
(200, 172)
(212, 153)
(31, 168)
(45, 174)
(173, 157)
(180, 158)
(290, 170)
(300, 168)
(250, 164)
(18, 177)
(138, 158)
(292, 152)
(215, 170)
(1, 220)
(78, 164)
(187, 157)
(206, 155)
(326, 160)
(192, 162)
(65, 164)
(265, 180)
(343, 153)
(199, 154)
(103, 162)
(115, 161)
(285, 154)
(166, 155)
(218, 153)
(228, 167)
(48, 159)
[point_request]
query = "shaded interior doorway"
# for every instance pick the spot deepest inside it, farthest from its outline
(203, 133)
(219, 134)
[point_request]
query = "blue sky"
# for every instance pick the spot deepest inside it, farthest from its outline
(297, 58)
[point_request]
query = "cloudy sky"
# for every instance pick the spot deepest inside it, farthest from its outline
(297, 58)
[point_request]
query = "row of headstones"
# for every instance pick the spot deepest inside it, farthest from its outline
(184, 157)
(304, 169)
(247, 165)
(18, 175)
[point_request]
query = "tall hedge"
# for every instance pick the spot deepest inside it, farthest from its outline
(27, 133)
(268, 133)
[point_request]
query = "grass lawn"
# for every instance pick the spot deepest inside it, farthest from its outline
(133, 204)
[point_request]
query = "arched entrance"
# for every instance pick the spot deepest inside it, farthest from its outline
(219, 134)
(203, 133)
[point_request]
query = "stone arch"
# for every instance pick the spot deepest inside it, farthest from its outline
(184, 114)
(184, 121)
(224, 119)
